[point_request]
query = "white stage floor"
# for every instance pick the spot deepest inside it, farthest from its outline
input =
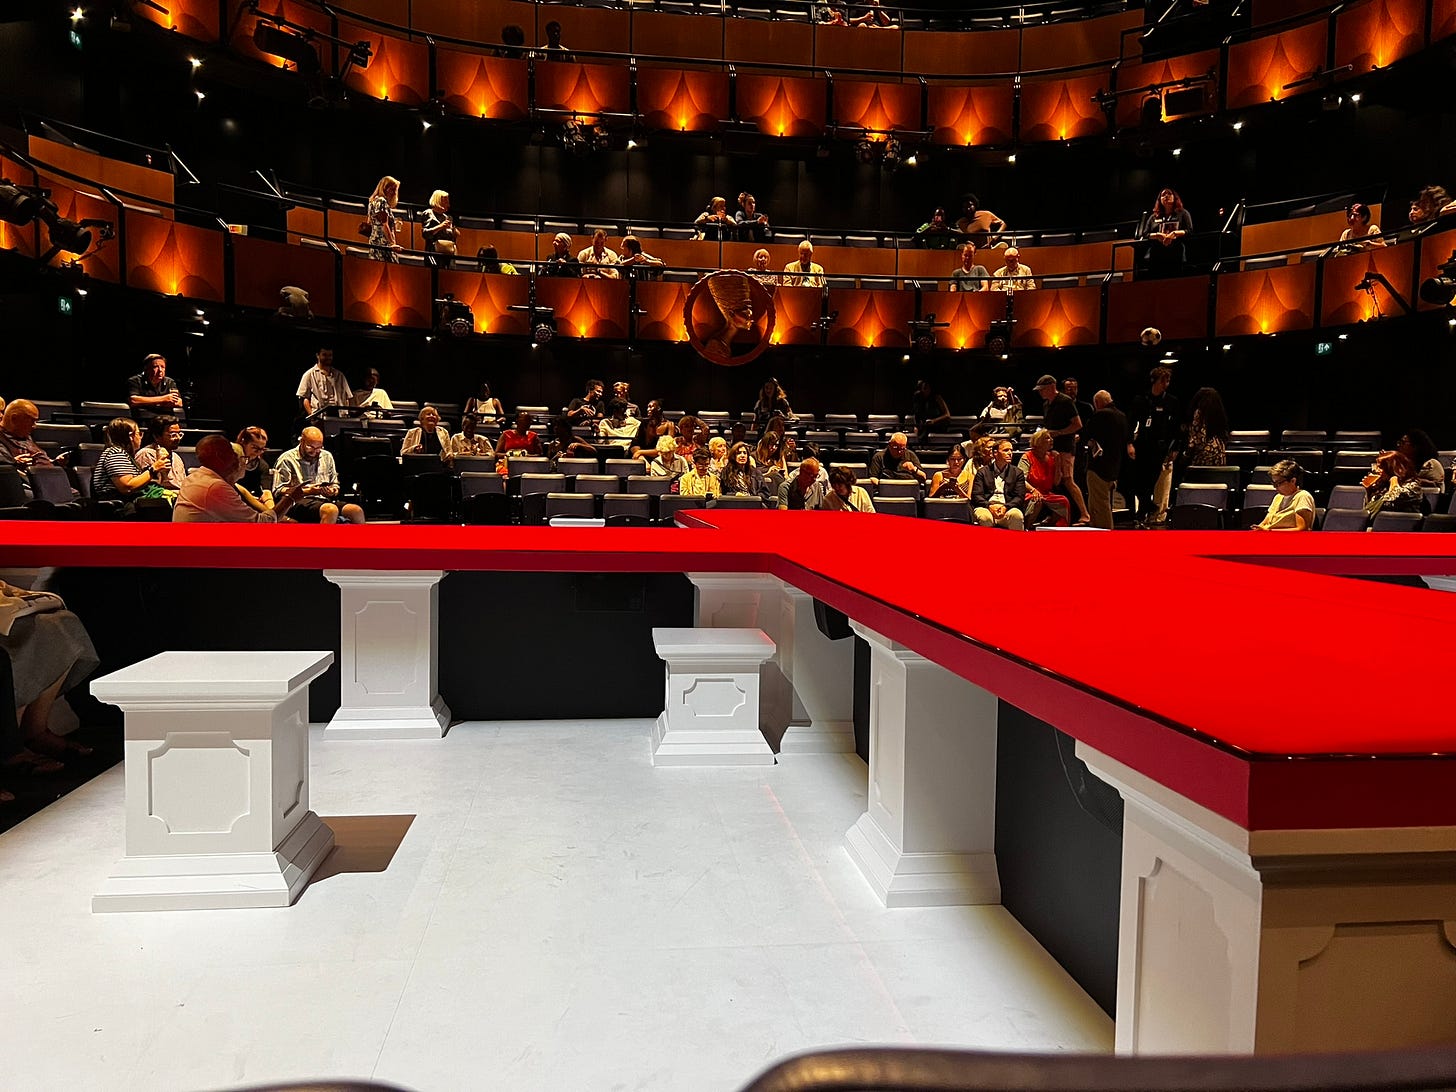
(557, 915)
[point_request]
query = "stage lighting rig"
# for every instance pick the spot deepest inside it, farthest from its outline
(1367, 285)
(453, 316)
(1441, 290)
(295, 44)
(922, 333)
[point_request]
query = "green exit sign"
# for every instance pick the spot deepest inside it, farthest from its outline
(65, 305)
(1324, 348)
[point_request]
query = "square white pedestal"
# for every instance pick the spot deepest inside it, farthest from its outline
(711, 713)
(217, 807)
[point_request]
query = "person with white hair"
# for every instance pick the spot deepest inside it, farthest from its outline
(804, 272)
(561, 263)
(1014, 276)
(439, 228)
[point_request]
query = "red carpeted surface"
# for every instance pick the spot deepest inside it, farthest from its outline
(1242, 670)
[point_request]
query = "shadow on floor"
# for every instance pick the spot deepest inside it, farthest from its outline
(362, 843)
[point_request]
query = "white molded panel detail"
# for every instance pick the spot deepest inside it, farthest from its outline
(385, 647)
(1180, 930)
(198, 783)
(709, 697)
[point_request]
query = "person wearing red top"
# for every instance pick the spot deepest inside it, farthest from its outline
(1039, 464)
(520, 438)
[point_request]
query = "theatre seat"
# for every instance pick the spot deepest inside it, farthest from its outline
(487, 509)
(1215, 496)
(946, 508)
(1396, 521)
(1195, 517)
(897, 506)
(646, 483)
(1347, 496)
(669, 506)
(627, 504)
(748, 503)
(893, 488)
(576, 505)
(1344, 519)
(1439, 521)
(542, 483)
(1257, 499)
(598, 485)
(474, 485)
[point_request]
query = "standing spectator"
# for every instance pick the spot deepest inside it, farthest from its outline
(1207, 430)
(323, 386)
(928, 410)
(936, 233)
(468, 442)
(1106, 434)
(700, 481)
(372, 394)
(1164, 230)
(1361, 234)
(1071, 388)
(970, 275)
(1014, 276)
(439, 228)
(844, 495)
(1154, 437)
(520, 439)
(714, 223)
(116, 477)
(152, 391)
(637, 261)
(1059, 416)
(561, 263)
(308, 472)
(978, 225)
(598, 260)
(761, 272)
(1292, 508)
(588, 407)
(998, 492)
(165, 436)
(486, 407)
(383, 224)
(772, 402)
(753, 225)
(896, 462)
(805, 272)
(429, 437)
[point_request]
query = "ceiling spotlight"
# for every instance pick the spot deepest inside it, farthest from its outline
(1177, 152)
(1011, 158)
(1227, 348)
(77, 14)
(195, 62)
(600, 139)
(1332, 101)
(632, 144)
(913, 161)
(454, 316)
(1238, 126)
(543, 326)
(1355, 98)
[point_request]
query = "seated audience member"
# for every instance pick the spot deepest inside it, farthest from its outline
(805, 489)
(513, 41)
(998, 492)
(804, 272)
(654, 424)
(372, 394)
(714, 223)
(618, 428)
(1004, 408)
(485, 407)
(598, 260)
(691, 435)
(1430, 205)
(970, 275)
(17, 425)
(254, 473)
(928, 410)
(740, 477)
(978, 225)
(752, 224)
(588, 406)
(983, 452)
(1165, 229)
(1042, 471)
(717, 454)
(937, 233)
(164, 434)
(490, 262)
(738, 434)
(954, 481)
(1392, 485)
(761, 271)
(553, 50)
(1292, 508)
(1420, 449)
(831, 16)
(638, 262)
(468, 442)
(439, 229)
(565, 444)
(429, 437)
(669, 463)
(772, 402)
(1360, 234)
(116, 477)
(700, 481)
(211, 493)
(769, 457)
(896, 462)
(844, 495)
(622, 392)
(1107, 435)
(561, 263)
(323, 386)
(151, 391)
(875, 16)
(309, 473)
(1208, 431)
(1014, 276)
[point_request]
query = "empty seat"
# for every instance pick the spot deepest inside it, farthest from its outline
(1259, 438)
(475, 464)
(1347, 496)
(1057, 239)
(575, 467)
(947, 508)
(52, 484)
(1311, 460)
(431, 498)
(1297, 437)
(1344, 519)
(627, 504)
(1216, 496)
(598, 485)
(65, 435)
(576, 505)
(645, 483)
(892, 421)
(508, 224)
(542, 483)
(1439, 521)
(1354, 460)
(1060, 282)
(897, 506)
(861, 240)
(51, 411)
(862, 439)
(891, 488)
(670, 505)
(623, 468)
(739, 502)
(474, 484)
(1229, 476)
(1396, 521)
(1195, 517)
(105, 410)
(1265, 262)
(418, 464)
(1364, 438)
(527, 464)
(883, 284)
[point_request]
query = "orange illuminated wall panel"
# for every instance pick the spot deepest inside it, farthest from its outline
(173, 259)
(583, 89)
(1062, 109)
(1443, 19)
(1377, 33)
(871, 318)
(130, 178)
(660, 307)
(399, 70)
(1168, 70)
(1258, 70)
(1178, 306)
(194, 18)
(585, 308)
(881, 106)
(103, 260)
(261, 267)
(1435, 250)
(386, 294)
(481, 86)
(1265, 301)
(795, 312)
(974, 115)
(1053, 318)
(782, 105)
(492, 299)
(1341, 304)
(683, 101)
(970, 315)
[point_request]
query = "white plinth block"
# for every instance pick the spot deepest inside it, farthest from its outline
(217, 805)
(751, 601)
(1232, 941)
(711, 714)
(928, 835)
(388, 656)
(821, 680)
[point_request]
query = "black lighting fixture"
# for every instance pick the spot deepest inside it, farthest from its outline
(1441, 290)
(23, 205)
(20, 204)
(453, 316)
(998, 336)
(894, 154)
(296, 44)
(573, 138)
(1367, 285)
(599, 138)
(922, 333)
(865, 150)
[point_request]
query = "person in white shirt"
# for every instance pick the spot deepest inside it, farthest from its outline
(599, 259)
(428, 437)
(372, 394)
(468, 442)
(211, 494)
(805, 272)
(761, 272)
(165, 434)
(844, 495)
(323, 385)
(1013, 276)
(1293, 507)
(618, 428)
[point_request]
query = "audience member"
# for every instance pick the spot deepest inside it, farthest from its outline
(468, 442)
(772, 402)
(1106, 434)
(439, 229)
(1164, 229)
(618, 428)
(998, 492)
(1420, 449)
(654, 424)
(936, 233)
(669, 463)
(485, 407)
(1392, 485)
(928, 410)
(372, 394)
(738, 433)
(383, 224)
(831, 16)
(588, 407)
(691, 435)
(1059, 416)
(1004, 408)
(116, 477)
(490, 262)
(875, 16)
(771, 459)
(741, 478)
(804, 272)
(553, 50)
(637, 261)
(1361, 234)
(752, 224)
(844, 495)
(1207, 430)
(977, 224)
(561, 263)
(164, 436)
(429, 437)
(519, 439)
(970, 275)
(714, 223)
(323, 386)
(953, 481)
(513, 41)
(1429, 205)
(717, 454)
(1014, 276)
(1040, 466)
(151, 391)
(211, 494)
(761, 272)
(700, 481)
(622, 392)
(254, 473)
(896, 462)
(17, 425)
(309, 473)
(565, 444)
(598, 260)
(1155, 424)
(804, 490)
(1292, 508)
(1071, 388)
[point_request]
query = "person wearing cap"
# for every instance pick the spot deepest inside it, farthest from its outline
(1062, 422)
(804, 271)
(701, 480)
(561, 263)
(1014, 276)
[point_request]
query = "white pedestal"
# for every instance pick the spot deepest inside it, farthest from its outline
(711, 713)
(217, 810)
(928, 837)
(388, 656)
(1233, 941)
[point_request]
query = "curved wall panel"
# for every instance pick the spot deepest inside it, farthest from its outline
(1062, 109)
(482, 86)
(1054, 318)
(306, 15)
(690, 101)
(796, 310)
(871, 319)
(669, 35)
(1378, 33)
(1341, 303)
(385, 293)
(1261, 68)
(104, 259)
(750, 41)
(399, 70)
(1079, 42)
(955, 53)
(1177, 306)
(875, 50)
(491, 298)
(1443, 19)
(1265, 301)
(194, 18)
(660, 311)
(879, 106)
(970, 315)
(968, 116)
(583, 89)
(585, 308)
(173, 259)
(1168, 70)
(261, 267)
(782, 105)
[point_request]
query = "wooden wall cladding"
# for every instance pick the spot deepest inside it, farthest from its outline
(510, 246)
(1062, 109)
(466, 20)
(1298, 233)
(585, 308)
(874, 319)
(305, 222)
(1378, 33)
(491, 299)
(975, 115)
(1273, 11)
(195, 18)
(667, 35)
(690, 101)
(394, 12)
(300, 14)
(873, 50)
(399, 70)
(1259, 69)
(750, 41)
(782, 105)
(128, 178)
(1129, 107)
(958, 53)
(261, 267)
(583, 89)
(878, 106)
(1265, 301)
(660, 310)
(1435, 249)
(385, 293)
(172, 258)
(795, 312)
(482, 86)
(1341, 303)
(1054, 318)
(1083, 41)
(1178, 306)
(970, 315)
